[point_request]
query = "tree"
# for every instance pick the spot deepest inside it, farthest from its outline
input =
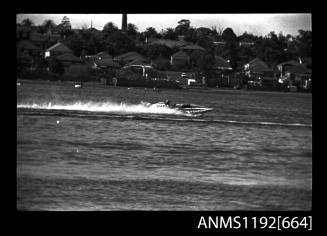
(228, 35)
(56, 66)
(190, 35)
(150, 32)
(195, 55)
(65, 22)
(183, 27)
(304, 43)
(76, 43)
(231, 48)
(156, 50)
(27, 22)
(205, 42)
(204, 66)
(109, 28)
(65, 27)
(132, 30)
(118, 43)
(169, 33)
(48, 25)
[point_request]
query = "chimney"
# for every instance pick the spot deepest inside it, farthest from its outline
(124, 22)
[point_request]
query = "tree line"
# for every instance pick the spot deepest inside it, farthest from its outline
(272, 48)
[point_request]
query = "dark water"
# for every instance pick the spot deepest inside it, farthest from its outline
(101, 149)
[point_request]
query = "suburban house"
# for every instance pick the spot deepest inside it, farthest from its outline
(57, 49)
(296, 73)
(223, 71)
(180, 58)
(259, 73)
(301, 76)
(284, 67)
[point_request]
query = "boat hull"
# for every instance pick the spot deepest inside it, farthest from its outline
(186, 108)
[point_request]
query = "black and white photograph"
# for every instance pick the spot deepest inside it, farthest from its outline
(164, 112)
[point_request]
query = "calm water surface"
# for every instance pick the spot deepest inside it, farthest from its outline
(102, 149)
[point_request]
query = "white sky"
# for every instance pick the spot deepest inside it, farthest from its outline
(259, 24)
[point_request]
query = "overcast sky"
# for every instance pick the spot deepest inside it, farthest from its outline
(259, 24)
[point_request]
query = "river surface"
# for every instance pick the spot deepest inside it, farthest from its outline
(103, 148)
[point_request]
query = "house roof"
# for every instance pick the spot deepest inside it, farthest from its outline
(68, 57)
(193, 47)
(138, 62)
(103, 55)
(180, 55)
(26, 44)
(106, 62)
(169, 43)
(59, 47)
(221, 63)
(130, 56)
(256, 65)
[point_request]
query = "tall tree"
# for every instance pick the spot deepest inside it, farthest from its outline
(132, 30)
(150, 32)
(183, 27)
(228, 35)
(118, 43)
(48, 25)
(109, 28)
(27, 22)
(304, 43)
(65, 27)
(169, 33)
(65, 22)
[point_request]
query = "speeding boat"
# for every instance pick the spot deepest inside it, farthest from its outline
(186, 108)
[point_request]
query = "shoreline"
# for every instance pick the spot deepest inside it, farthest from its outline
(191, 89)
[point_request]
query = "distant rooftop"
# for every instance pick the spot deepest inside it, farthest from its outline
(59, 47)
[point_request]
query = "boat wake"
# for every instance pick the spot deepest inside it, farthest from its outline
(142, 111)
(106, 107)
